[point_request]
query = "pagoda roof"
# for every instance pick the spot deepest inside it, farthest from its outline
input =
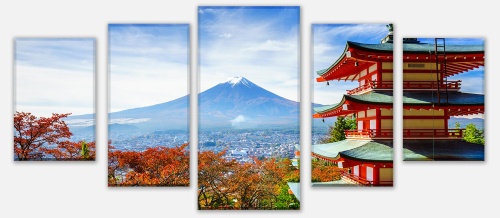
(386, 99)
(454, 98)
(441, 150)
(344, 66)
(418, 47)
(374, 97)
(377, 98)
(450, 49)
(460, 58)
(363, 150)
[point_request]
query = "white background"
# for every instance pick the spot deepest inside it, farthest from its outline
(428, 189)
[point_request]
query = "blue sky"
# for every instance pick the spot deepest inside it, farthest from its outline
(258, 43)
(329, 41)
(54, 75)
(148, 63)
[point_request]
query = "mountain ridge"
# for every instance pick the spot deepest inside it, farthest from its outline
(235, 103)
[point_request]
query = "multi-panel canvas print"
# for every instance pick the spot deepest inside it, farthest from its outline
(352, 131)
(54, 99)
(443, 99)
(148, 105)
(248, 108)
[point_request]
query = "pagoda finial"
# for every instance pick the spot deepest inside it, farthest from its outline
(389, 37)
(389, 26)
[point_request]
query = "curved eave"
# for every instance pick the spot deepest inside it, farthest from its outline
(341, 155)
(344, 68)
(374, 151)
(356, 150)
(325, 110)
(352, 104)
(336, 158)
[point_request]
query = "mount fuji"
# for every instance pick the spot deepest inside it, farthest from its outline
(235, 103)
(239, 103)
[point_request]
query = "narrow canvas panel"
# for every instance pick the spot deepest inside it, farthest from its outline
(148, 120)
(352, 131)
(443, 99)
(248, 108)
(54, 99)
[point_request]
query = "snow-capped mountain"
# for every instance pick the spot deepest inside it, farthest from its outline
(234, 103)
(239, 103)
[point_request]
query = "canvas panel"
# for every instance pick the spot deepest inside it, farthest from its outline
(352, 130)
(148, 117)
(248, 108)
(54, 89)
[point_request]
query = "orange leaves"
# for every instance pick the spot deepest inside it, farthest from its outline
(158, 166)
(224, 183)
(37, 138)
(324, 173)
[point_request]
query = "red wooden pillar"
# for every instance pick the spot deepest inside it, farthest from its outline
(379, 73)
(378, 118)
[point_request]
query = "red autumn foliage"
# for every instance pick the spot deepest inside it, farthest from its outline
(158, 166)
(224, 183)
(37, 138)
(67, 150)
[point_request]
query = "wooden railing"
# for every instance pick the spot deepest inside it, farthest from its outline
(431, 84)
(356, 179)
(407, 133)
(433, 133)
(368, 133)
(453, 85)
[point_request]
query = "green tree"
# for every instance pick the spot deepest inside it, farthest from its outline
(85, 152)
(336, 132)
(473, 135)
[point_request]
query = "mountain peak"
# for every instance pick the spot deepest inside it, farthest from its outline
(238, 80)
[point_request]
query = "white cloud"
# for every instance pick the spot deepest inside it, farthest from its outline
(80, 122)
(43, 91)
(128, 120)
(225, 35)
(148, 65)
(261, 50)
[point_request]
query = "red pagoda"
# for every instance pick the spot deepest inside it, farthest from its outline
(367, 152)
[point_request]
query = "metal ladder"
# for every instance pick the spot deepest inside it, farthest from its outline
(440, 56)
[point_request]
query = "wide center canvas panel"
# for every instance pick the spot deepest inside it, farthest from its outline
(352, 131)
(148, 105)
(248, 108)
(54, 116)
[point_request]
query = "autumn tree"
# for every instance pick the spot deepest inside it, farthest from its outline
(157, 166)
(225, 184)
(32, 135)
(258, 183)
(322, 172)
(214, 180)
